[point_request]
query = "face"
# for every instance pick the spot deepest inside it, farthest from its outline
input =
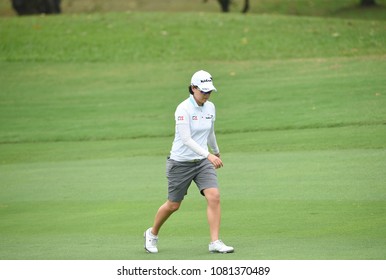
(200, 96)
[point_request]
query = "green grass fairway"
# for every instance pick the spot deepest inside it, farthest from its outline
(86, 122)
(276, 205)
(324, 8)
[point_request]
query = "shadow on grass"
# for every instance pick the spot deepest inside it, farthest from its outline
(376, 12)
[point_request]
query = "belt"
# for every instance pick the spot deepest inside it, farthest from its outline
(195, 160)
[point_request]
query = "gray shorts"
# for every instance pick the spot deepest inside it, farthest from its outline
(181, 174)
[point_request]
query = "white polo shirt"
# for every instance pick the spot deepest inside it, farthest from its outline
(194, 131)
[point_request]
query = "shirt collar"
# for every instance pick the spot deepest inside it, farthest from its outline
(193, 101)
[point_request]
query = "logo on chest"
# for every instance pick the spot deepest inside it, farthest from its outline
(207, 117)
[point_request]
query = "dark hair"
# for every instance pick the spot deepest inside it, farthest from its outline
(190, 90)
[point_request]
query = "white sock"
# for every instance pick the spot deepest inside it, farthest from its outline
(152, 235)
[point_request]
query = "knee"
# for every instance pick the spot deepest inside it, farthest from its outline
(173, 206)
(216, 198)
(212, 195)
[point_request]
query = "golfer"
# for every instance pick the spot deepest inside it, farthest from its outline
(190, 160)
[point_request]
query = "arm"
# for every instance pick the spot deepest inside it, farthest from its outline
(184, 132)
(212, 142)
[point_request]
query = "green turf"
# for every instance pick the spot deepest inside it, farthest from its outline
(276, 205)
(159, 37)
(86, 121)
(321, 8)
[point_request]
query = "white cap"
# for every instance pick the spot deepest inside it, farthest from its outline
(203, 80)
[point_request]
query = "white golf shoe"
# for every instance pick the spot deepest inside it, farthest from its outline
(150, 241)
(219, 247)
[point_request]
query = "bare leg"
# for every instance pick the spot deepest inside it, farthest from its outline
(212, 196)
(163, 214)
